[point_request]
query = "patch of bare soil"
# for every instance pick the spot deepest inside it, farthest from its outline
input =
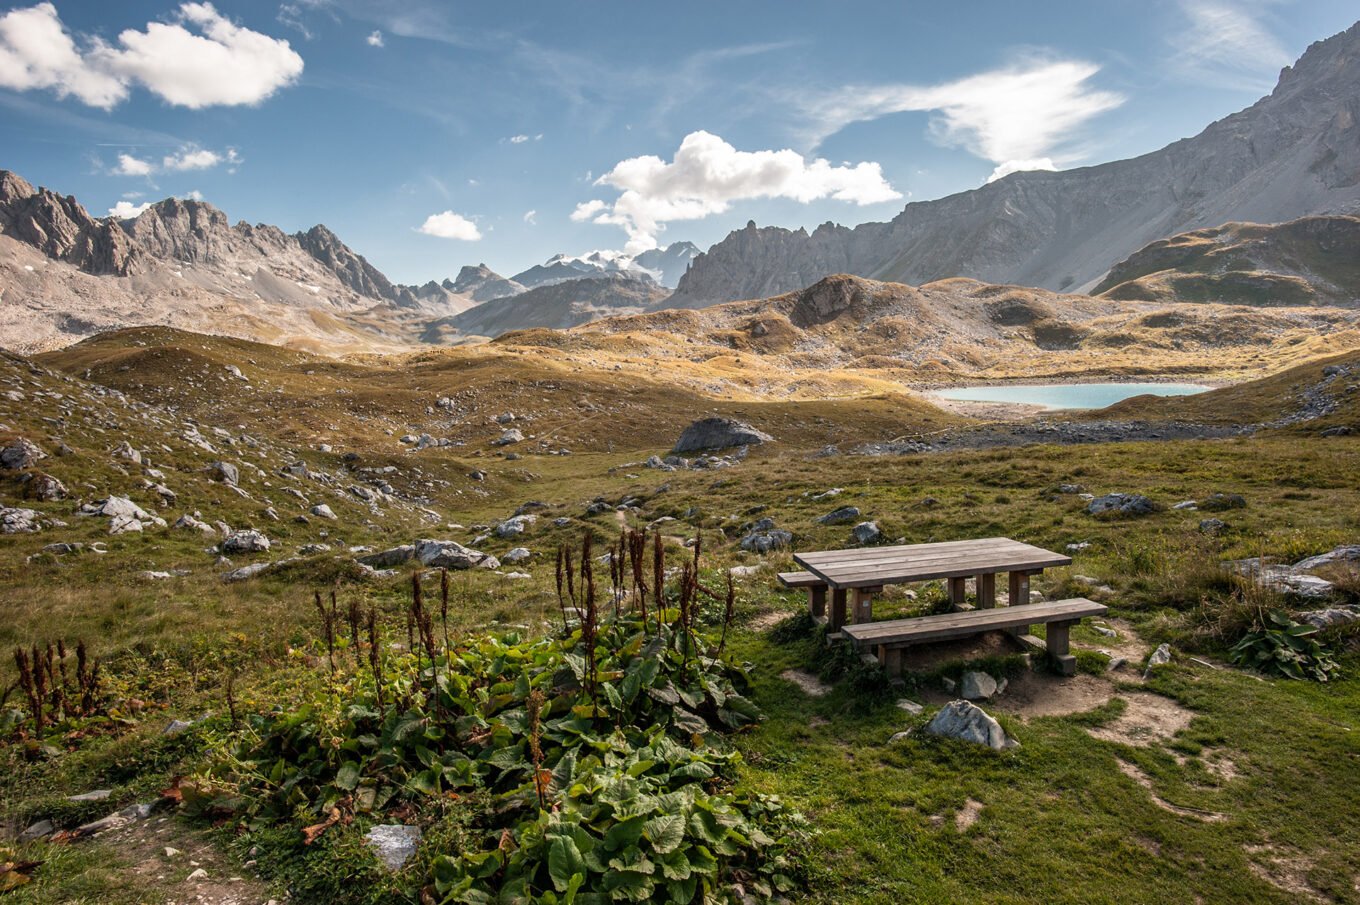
(1034, 694)
(808, 683)
(925, 657)
(167, 855)
(1285, 869)
(1148, 719)
(968, 814)
(763, 622)
(1145, 781)
(987, 411)
(1126, 645)
(1217, 762)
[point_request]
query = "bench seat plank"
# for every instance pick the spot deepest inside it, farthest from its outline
(799, 580)
(954, 625)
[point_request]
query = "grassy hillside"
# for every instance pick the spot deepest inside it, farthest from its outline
(1310, 261)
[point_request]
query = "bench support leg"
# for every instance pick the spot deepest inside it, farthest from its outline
(1058, 648)
(957, 591)
(891, 658)
(817, 601)
(864, 605)
(986, 591)
(837, 618)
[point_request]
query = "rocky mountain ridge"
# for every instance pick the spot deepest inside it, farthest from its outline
(1294, 153)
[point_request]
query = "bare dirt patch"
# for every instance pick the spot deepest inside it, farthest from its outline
(145, 845)
(1148, 719)
(1217, 762)
(1126, 645)
(763, 622)
(1145, 781)
(925, 657)
(968, 814)
(1285, 869)
(807, 682)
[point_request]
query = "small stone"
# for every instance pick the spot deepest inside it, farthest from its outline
(511, 436)
(978, 686)
(199, 874)
(517, 555)
(1160, 657)
(1212, 526)
(394, 844)
(910, 706)
(899, 736)
(37, 831)
(948, 684)
(321, 510)
(842, 516)
(867, 533)
(171, 852)
(96, 795)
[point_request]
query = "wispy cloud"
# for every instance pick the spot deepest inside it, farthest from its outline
(1021, 116)
(375, 39)
(188, 157)
(1228, 45)
(531, 217)
(707, 175)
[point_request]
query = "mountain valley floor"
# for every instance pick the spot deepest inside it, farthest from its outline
(1201, 782)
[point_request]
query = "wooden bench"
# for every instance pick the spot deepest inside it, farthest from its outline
(816, 589)
(887, 639)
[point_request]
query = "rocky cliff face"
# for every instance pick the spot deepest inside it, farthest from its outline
(352, 269)
(61, 228)
(1292, 154)
(481, 284)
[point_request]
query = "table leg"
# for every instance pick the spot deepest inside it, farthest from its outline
(817, 601)
(891, 658)
(864, 605)
(1058, 648)
(957, 591)
(837, 618)
(986, 591)
(1019, 589)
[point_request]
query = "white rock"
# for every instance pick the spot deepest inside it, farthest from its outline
(1160, 657)
(968, 722)
(977, 686)
(394, 844)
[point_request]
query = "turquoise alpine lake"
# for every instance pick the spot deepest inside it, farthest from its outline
(1067, 395)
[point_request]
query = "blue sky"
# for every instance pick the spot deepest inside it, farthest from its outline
(430, 135)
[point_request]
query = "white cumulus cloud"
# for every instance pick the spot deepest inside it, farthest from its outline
(126, 210)
(133, 166)
(36, 52)
(1025, 113)
(531, 217)
(707, 175)
(448, 225)
(375, 39)
(198, 59)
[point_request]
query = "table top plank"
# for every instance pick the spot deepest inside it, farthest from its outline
(874, 566)
(945, 625)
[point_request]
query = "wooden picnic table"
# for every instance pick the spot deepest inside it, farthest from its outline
(863, 572)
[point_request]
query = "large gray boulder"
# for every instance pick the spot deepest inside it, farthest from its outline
(18, 521)
(1121, 504)
(386, 559)
(247, 540)
(842, 516)
(21, 453)
(970, 723)
(719, 433)
(449, 554)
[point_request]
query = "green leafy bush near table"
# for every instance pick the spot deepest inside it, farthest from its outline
(1280, 646)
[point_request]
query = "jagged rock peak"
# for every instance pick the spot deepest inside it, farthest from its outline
(61, 228)
(179, 229)
(352, 269)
